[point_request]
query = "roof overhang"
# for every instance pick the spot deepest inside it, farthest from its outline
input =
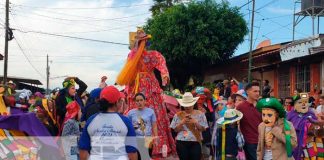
(24, 80)
(301, 48)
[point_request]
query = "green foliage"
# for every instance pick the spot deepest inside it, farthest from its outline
(160, 6)
(196, 35)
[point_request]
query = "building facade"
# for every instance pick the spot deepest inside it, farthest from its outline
(288, 66)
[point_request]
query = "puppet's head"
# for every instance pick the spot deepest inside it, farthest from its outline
(301, 103)
(271, 110)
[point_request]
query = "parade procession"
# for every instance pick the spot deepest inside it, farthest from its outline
(162, 79)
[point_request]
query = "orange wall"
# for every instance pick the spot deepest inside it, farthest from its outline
(292, 79)
(275, 83)
(315, 77)
(315, 73)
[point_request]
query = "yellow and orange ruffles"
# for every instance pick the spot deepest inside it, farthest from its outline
(137, 81)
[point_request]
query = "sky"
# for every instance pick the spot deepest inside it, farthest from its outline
(109, 21)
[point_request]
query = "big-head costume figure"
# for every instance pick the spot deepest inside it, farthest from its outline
(138, 76)
(277, 136)
(303, 118)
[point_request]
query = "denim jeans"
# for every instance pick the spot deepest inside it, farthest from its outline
(188, 150)
(250, 151)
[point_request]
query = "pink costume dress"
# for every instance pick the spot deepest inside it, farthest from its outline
(147, 84)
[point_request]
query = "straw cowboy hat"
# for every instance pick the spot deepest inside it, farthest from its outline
(11, 82)
(230, 116)
(187, 100)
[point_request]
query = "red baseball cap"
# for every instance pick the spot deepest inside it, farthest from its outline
(122, 95)
(110, 94)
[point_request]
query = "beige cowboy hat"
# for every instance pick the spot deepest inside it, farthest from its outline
(187, 100)
(11, 82)
(230, 116)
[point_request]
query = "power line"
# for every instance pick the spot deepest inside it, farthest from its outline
(266, 5)
(69, 24)
(256, 37)
(72, 37)
(282, 26)
(89, 8)
(245, 4)
(73, 56)
(277, 29)
(102, 30)
(30, 40)
(23, 52)
(274, 17)
(90, 62)
(103, 19)
(96, 27)
(256, 11)
(73, 15)
(99, 29)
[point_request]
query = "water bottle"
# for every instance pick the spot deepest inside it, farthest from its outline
(164, 150)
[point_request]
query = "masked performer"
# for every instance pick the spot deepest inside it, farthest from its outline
(138, 76)
(277, 136)
(303, 118)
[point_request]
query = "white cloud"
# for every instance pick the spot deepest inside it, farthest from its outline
(84, 59)
(280, 10)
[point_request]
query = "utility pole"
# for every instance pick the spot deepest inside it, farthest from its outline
(294, 22)
(5, 72)
(47, 75)
(251, 43)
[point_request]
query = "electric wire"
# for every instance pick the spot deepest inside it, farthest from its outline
(71, 37)
(31, 64)
(82, 8)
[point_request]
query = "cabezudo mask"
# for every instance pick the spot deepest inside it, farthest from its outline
(269, 116)
(302, 105)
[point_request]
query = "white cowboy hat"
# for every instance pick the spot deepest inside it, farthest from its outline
(11, 82)
(230, 116)
(187, 100)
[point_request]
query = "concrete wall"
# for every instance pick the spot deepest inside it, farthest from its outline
(269, 75)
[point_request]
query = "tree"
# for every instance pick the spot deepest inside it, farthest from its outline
(196, 35)
(161, 5)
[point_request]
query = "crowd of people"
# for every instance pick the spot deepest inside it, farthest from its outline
(245, 125)
(238, 120)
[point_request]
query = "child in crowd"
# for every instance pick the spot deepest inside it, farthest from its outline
(228, 138)
(144, 121)
(71, 131)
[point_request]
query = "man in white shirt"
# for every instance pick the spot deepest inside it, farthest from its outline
(320, 108)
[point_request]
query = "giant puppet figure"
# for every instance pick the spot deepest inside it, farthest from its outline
(138, 76)
(304, 120)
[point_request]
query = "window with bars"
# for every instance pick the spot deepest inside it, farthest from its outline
(303, 78)
(284, 83)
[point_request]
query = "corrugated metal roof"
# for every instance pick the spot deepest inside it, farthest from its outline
(316, 50)
(24, 80)
(297, 42)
